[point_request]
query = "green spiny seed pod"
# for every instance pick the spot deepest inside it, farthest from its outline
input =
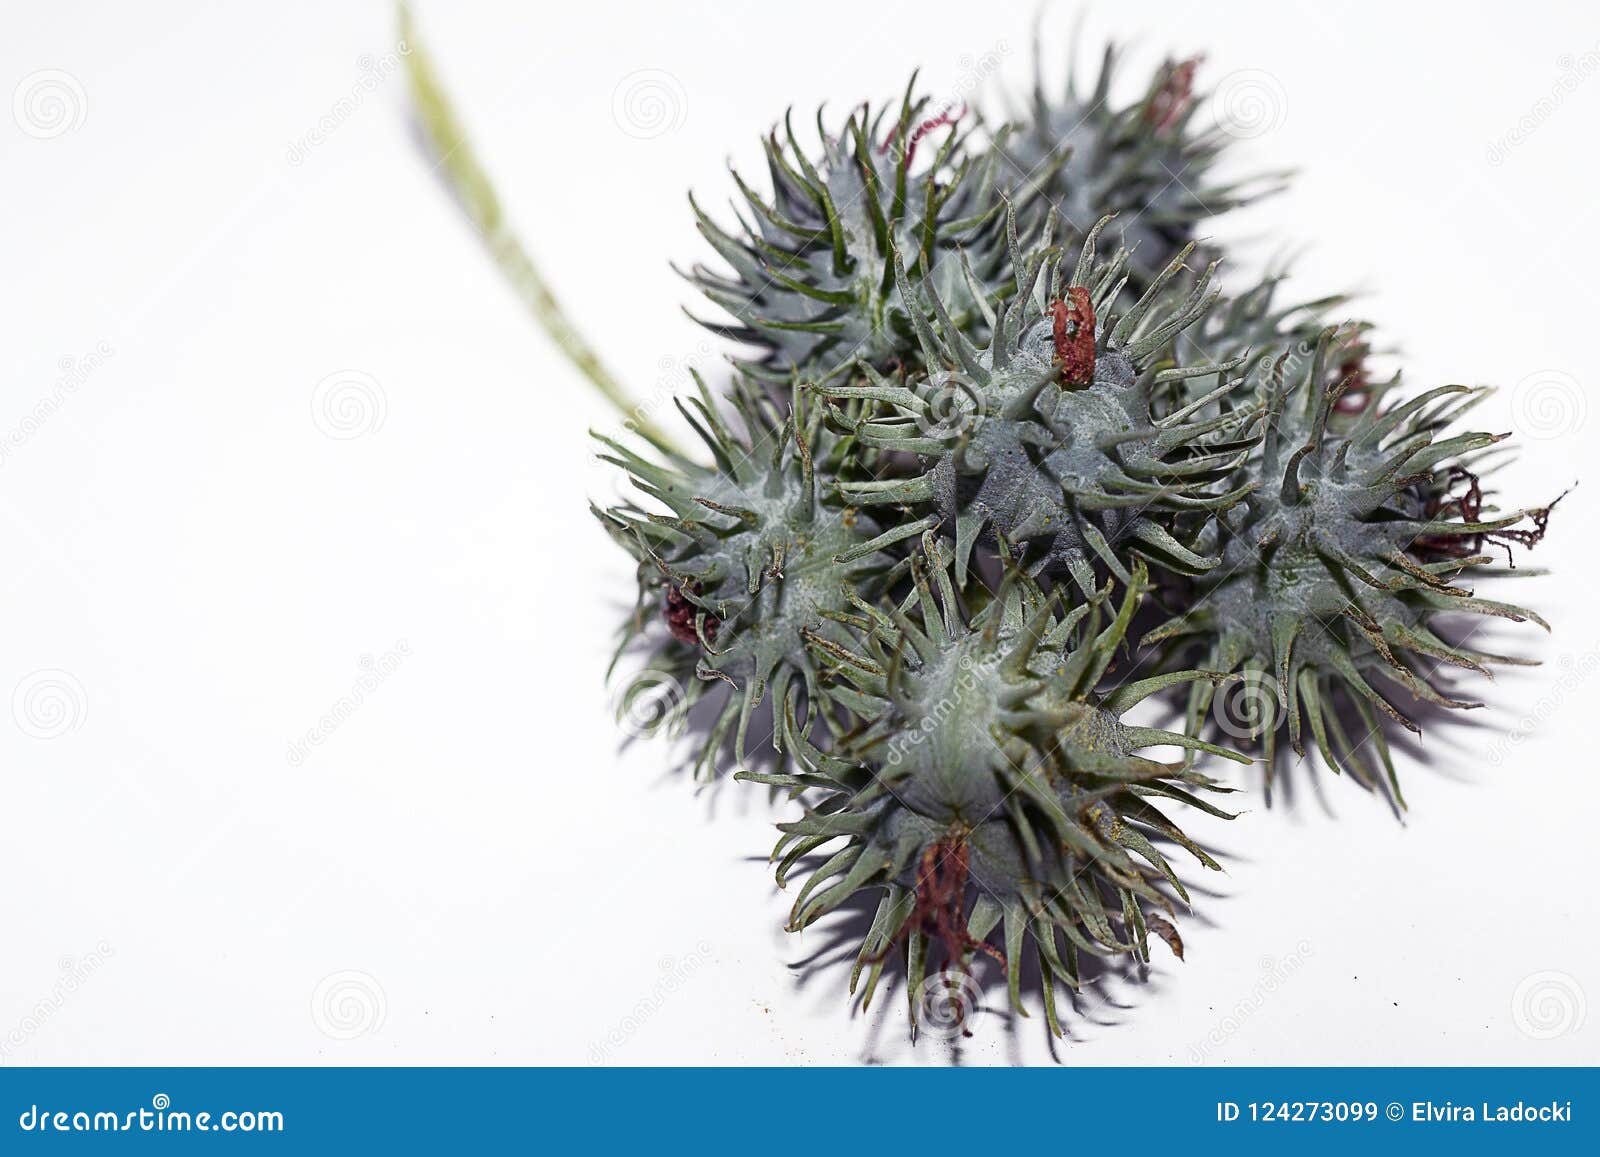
(812, 280)
(744, 561)
(1049, 437)
(1248, 330)
(1146, 161)
(1336, 569)
(992, 781)
(1255, 326)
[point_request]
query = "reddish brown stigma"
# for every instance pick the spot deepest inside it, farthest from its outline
(680, 614)
(1073, 330)
(1172, 96)
(940, 908)
(1355, 384)
(941, 905)
(947, 117)
(1468, 506)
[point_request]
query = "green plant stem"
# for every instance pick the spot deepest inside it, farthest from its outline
(455, 158)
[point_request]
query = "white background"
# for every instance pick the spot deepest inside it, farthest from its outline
(471, 869)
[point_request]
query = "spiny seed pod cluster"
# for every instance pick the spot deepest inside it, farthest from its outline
(970, 496)
(1050, 437)
(1340, 566)
(1150, 162)
(991, 752)
(810, 277)
(745, 557)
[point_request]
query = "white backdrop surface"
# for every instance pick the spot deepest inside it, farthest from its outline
(275, 434)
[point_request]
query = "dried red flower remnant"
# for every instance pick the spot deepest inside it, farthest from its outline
(941, 905)
(680, 615)
(947, 117)
(1073, 331)
(1171, 98)
(1469, 505)
(1355, 383)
